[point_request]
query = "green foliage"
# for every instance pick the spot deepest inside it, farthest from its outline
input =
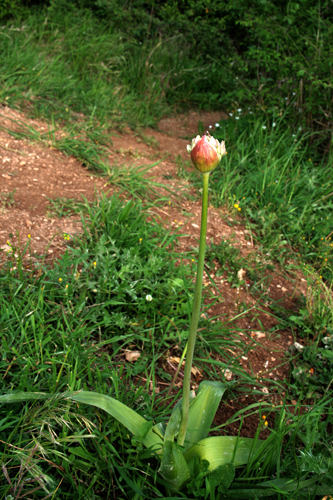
(89, 66)
(117, 78)
(64, 207)
(265, 51)
(120, 260)
(213, 54)
(9, 8)
(239, 271)
(218, 452)
(6, 200)
(313, 371)
(279, 183)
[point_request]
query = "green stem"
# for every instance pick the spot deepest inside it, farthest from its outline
(195, 314)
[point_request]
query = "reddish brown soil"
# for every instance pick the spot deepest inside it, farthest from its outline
(34, 171)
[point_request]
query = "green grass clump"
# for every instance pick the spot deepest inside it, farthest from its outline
(96, 294)
(68, 327)
(74, 65)
(281, 185)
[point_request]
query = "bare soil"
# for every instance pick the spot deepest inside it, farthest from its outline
(32, 172)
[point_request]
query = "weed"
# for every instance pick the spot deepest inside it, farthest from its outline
(7, 200)
(64, 207)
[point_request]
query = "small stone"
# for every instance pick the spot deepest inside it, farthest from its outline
(22, 163)
(132, 355)
(227, 374)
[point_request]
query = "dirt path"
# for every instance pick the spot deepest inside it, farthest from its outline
(30, 173)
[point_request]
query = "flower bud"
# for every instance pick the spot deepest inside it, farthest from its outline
(206, 152)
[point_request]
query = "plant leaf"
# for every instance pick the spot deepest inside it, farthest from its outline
(20, 397)
(222, 477)
(269, 489)
(173, 425)
(202, 411)
(136, 424)
(174, 468)
(220, 450)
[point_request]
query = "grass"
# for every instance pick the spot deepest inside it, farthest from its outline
(281, 185)
(6, 200)
(52, 69)
(70, 326)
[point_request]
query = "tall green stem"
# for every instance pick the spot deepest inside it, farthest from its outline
(195, 313)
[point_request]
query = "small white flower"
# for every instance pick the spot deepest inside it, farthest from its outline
(251, 113)
(239, 110)
(149, 298)
(273, 124)
(237, 117)
(264, 127)
(217, 124)
(230, 114)
(210, 126)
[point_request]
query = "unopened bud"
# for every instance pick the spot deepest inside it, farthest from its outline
(206, 152)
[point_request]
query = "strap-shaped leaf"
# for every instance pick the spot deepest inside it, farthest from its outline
(220, 450)
(136, 424)
(126, 416)
(202, 411)
(270, 489)
(174, 468)
(173, 425)
(21, 397)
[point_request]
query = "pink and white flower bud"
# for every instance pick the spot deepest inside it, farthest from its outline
(206, 152)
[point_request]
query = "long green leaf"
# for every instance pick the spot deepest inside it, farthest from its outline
(136, 424)
(202, 411)
(220, 450)
(126, 416)
(174, 468)
(21, 397)
(275, 486)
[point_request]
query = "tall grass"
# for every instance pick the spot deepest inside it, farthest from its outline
(68, 327)
(68, 65)
(281, 184)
